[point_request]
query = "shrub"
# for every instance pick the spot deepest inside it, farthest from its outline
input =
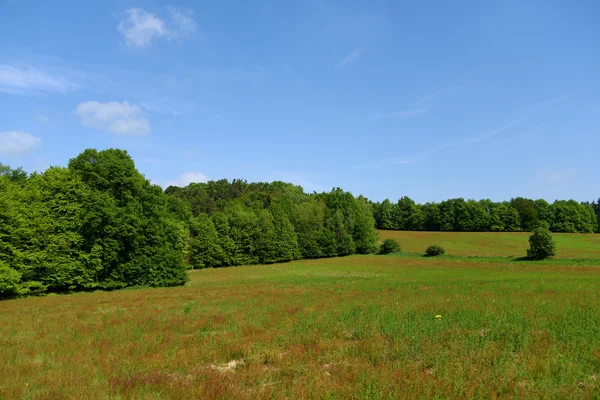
(32, 288)
(434, 250)
(541, 244)
(9, 282)
(389, 246)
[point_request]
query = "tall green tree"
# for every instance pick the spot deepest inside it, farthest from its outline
(204, 247)
(408, 216)
(364, 236)
(128, 229)
(384, 214)
(528, 212)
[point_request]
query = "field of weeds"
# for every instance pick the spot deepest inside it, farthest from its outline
(368, 327)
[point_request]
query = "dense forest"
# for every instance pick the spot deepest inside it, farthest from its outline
(518, 214)
(99, 224)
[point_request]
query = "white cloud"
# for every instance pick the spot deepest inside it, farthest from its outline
(348, 59)
(421, 106)
(186, 178)
(23, 79)
(14, 142)
(120, 118)
(140, 27)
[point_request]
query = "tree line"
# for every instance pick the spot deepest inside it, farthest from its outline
(99, 224)
(236, 223)
(518, 214)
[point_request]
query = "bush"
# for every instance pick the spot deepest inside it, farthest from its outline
(541, 244)
(389, 246)
(434, 250)
(9, 282)
(32, 288)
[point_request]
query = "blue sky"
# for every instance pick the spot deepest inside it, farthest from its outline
(428, 99)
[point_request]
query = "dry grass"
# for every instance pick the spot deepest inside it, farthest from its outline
(354, 327)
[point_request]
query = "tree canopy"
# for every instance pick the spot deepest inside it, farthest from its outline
(97, 224)
(518, 214)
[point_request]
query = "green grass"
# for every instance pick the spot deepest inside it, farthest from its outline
(506, 244)
(359, 327)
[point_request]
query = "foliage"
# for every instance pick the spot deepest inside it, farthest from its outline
(272, 222)
(434, 250)
(9, 281)
(389, 246)
(98, 224)
(518, 214)
(541, 244)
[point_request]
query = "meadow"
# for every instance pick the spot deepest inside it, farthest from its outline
(474, 324)
(504, 244)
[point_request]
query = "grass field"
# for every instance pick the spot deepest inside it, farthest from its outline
(570, 245)
(368, 327)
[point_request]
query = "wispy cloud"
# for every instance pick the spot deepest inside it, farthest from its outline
(120, 118)
(13, 142)
(421, 106)
(426, 154)
(526, 113)
(27, 79)
(182, 22)
(140, 27)
(546, 103)
(186, 178)
(351, 57)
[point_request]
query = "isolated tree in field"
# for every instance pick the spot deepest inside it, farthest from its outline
(541, 243)
(434, 250)
(389, 246)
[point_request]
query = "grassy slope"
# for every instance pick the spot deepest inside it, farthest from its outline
(353, 327)
(494, 243)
